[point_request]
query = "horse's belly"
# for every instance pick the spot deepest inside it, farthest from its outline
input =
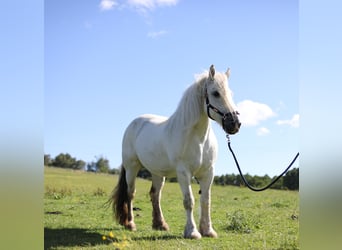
(155, 159)
(156, 162)
(164, 172)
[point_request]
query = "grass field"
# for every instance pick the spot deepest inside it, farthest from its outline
(75, 216)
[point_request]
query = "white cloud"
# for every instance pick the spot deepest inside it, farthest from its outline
(293, 122)
(252, 113)
(151, 4)
(142, 6)
(167, 2)
(263, 131)
(155, 34)
(107, 4)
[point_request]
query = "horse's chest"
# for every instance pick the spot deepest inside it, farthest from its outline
(199, 153)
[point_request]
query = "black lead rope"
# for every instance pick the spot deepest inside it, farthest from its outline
(243, 178)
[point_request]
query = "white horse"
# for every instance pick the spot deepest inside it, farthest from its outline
(182, 145)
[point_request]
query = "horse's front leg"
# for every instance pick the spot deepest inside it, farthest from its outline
(205, 181)
(184, 180)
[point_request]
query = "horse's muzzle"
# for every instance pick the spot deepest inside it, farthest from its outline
(231, 123)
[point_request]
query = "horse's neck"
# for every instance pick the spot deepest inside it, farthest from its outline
(197, 131)
(200, 128)
(189, 118)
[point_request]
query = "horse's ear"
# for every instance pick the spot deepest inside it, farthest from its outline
(211, 72)
(228, 72)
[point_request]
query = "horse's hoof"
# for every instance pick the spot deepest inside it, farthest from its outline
(211, 234)
(192, 235)
(161, 227)
(131, 226)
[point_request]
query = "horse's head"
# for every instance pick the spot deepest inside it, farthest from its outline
(219, 102)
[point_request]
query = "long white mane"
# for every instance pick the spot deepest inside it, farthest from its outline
(190, 106)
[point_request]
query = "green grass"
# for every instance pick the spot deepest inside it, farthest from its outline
(75, 216)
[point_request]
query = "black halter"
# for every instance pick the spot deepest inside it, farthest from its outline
(224, 115)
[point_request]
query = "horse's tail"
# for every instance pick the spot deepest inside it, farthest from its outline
(120, 199)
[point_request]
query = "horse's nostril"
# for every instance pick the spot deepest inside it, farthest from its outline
(239, 124)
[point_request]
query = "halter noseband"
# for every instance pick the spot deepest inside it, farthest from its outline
(213, 108)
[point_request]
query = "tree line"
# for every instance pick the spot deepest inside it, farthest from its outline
(65, 160)
(101, 165)
(290, 181)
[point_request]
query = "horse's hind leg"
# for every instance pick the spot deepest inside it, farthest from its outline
(131, 174)
(123, 195)
(158, 221)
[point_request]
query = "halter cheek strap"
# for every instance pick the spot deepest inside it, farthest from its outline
(209, 106)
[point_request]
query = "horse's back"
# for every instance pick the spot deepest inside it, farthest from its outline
(142, 123)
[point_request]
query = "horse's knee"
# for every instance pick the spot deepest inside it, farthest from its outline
(188, 202)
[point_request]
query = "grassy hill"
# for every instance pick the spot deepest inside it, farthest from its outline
(75, 216)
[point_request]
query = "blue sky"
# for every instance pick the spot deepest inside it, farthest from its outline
(85, 109)
(106, 62)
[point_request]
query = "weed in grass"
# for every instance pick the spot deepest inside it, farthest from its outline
(99, 192)
(289, 242)
(52, 192)
(242, 222)
(279, 205)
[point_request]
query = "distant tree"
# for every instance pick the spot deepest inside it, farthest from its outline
(250, 179)
(47, 160)
(66, 161)
(261, 181)
(291, 179)
(114, 171)
(63, 161)
(278, 184)
(219, 180)
(79, 165)
(100, 165)
(91, 167)
(266, 179)
(230, 179)
(238, 181)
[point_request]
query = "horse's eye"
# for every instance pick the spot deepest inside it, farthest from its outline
(216, 94)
